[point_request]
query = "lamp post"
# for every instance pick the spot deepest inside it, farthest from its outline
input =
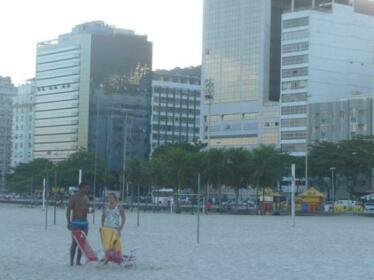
(209, 91)
(332, 169)
(307, 134)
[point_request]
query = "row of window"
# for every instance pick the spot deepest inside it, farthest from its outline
(171, 138)
(242, 141)
(294, 97)
(179, 91)
(296, 22)
(175, 119)
(295, 35)
(176, 110)
(271, 124)
(175, 101)
(21, 145)
(297, 59)
(293, 110)
(293, 135)
(294, 122)
(54, 87)
(176, 129)
(300, 84)
(295, 72)
(231, 117)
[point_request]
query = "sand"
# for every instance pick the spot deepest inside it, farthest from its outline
(232, 247)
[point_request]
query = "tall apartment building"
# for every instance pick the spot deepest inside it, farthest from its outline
(23, 123)
(90, 83)
(7, 92)
(175, 109)
(341, 120)
(327, 55)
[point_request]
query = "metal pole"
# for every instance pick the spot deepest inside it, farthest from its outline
(293, 195)
(54, 212)
(46, 204)
(43, 197)
(204, 210)
(198, 208)
(138, 211)
(333, 184)
(124, 157)
(80, 176)
(95, 164)
(307, 146)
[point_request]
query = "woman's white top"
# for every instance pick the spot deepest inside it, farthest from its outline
(112, 217)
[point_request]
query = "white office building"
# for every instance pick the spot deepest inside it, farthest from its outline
(62, 70)
(327, 55)
(175, 109)
(23, 123)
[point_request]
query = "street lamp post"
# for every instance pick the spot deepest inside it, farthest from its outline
(307, 134)
(209, 90)
(332, 169)
(124, 158)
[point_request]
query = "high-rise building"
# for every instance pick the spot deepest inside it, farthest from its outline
(242, 68)
(175, 109)
(23, 123)
(7, 92)
(91, 84)
(327, 55)
(241, 65)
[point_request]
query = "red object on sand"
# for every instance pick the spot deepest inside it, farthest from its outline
(81, 239)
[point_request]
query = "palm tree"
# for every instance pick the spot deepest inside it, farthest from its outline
(269, 165)
(239, 167)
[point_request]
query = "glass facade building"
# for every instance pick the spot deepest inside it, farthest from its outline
(241, 64)
(94, 92)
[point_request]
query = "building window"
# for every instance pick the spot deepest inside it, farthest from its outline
(297, 59)
(295, 47)
(295, 35)
(294, 110)
(270, 138)
(294, 85)
(293, 135)
(296, 22)
(294, 123)
(294, 97)
(296, 72)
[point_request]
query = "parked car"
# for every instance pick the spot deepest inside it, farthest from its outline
(369, 206)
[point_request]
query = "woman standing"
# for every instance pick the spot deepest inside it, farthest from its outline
(113, 215)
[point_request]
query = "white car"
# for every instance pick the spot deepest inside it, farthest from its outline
(369, 206)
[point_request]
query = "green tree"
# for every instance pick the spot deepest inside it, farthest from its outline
(68, 170)
(268, 167)
(28, 177)
(215, 167)
(238, 165)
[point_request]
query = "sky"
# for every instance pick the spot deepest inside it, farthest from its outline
(174, 27)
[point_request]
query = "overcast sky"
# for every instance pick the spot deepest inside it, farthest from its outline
(174, 27)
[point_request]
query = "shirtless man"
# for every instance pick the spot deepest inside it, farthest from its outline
(76, 216)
